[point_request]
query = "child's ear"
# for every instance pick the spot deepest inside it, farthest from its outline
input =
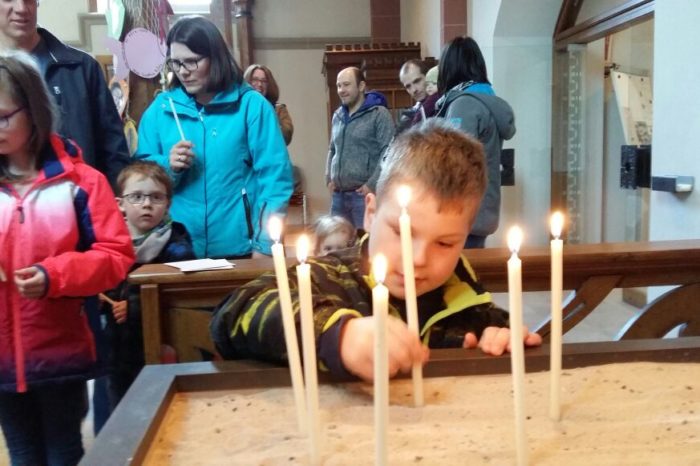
(120, 203)
(370, 210)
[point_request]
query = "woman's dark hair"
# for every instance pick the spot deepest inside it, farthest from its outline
(202, 37)
(21, 81)
(461, 61)
(273, 90)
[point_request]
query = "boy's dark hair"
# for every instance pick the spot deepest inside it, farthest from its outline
(461, 61)
(21, 81)
(440, 158)
(146, 169)
(273, 90)
(202, 37)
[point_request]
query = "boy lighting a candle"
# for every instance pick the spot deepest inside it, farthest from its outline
(446, 172)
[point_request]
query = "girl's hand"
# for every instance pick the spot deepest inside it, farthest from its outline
(31, 282)
(119, 309)
(3, 277)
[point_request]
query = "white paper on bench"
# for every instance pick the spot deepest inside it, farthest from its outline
(201, 264)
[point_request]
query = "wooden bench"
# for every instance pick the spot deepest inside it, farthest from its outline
(176, 306)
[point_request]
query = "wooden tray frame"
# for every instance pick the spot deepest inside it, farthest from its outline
(128, 434)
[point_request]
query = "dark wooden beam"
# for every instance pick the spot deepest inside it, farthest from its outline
(609, 22)
(220, 14)
(243, 13)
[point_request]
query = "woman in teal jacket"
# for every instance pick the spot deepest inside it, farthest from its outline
(220, 142)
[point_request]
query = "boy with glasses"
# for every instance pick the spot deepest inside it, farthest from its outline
(145, 193)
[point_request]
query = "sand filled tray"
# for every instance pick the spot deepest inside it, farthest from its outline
(633, 413)
(242, 412)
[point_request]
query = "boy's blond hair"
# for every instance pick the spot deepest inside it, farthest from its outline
(146, 169)
(444, 160)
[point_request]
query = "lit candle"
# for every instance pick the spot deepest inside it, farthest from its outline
(409, 280)
(290, 334)
(380, 309)
(517, 357)
(308, 338)
(556, 246)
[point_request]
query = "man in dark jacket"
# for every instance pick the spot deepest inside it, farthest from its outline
(87, 112)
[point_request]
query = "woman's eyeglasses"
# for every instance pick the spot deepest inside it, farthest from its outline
(140, 198)
(5, 119)
(190, 64)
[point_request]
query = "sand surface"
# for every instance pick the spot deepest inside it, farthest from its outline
(617, 414)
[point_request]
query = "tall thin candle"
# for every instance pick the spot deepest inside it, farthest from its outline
(517, 356)
(404, 196)
(308, 338)
(380, 310)
(290, 334)
(556, 247)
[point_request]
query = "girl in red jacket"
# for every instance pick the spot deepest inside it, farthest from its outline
(62, 238)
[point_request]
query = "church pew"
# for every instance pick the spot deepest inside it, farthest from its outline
(176, 305)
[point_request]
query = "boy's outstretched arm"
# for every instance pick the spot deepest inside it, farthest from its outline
(357, 347)
(496, 340)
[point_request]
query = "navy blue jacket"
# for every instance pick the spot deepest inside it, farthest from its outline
(87, 111)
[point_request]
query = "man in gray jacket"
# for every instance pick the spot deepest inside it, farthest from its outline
(362, 128)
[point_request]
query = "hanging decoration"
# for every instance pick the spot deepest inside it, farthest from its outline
(143, 49)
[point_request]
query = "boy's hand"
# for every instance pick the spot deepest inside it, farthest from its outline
(496, 340)
(119, 309)
(357, 347)
(31, 282)
(181, 156)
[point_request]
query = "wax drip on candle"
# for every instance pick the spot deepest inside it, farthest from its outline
(515, 239)
(274, 228)
(557, 223)
(302, 248)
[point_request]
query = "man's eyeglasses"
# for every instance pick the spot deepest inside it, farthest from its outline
(140, 198)
(5, 119)
(190, 64)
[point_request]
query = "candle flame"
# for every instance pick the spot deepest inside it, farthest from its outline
(302, 248)
(515, 239)
(557, 223)
(403, 194)
(274, 227)
(379, 267)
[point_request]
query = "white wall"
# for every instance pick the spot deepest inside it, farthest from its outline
(676, 118)
(299, 24)
(516, 40)
(62, 16)
(420, 22)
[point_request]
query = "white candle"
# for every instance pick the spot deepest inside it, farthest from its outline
(290, 334)
(380, 309)
(517, 357)
(556, 247)
(404, 196)
(308, 338)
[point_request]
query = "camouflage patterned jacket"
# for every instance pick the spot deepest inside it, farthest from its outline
(248, 323)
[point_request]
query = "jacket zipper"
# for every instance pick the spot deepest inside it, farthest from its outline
(260, 222)
(248, 218)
